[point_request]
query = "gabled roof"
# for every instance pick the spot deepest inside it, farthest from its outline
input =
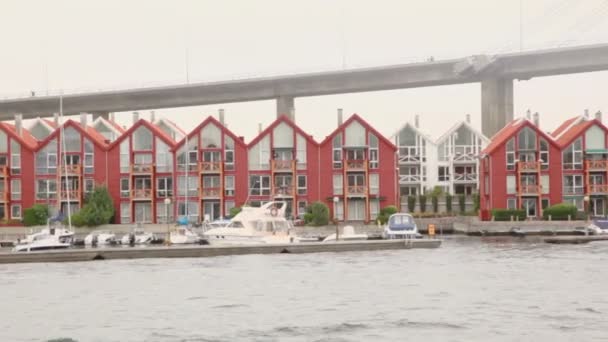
(155, 130)
(356, 117)
(110, 124)
(501, 137)
(417, 130)
(577, 129)
(26, 138)
(275, 123)
(210, 120)
(171, 125)
(51, 123)
(565, 125)
(89, 132)
(456, 127)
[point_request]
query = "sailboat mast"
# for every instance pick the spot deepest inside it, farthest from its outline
(65, 164)
(187, 177)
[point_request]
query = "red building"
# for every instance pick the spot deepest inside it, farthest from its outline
(515, 170)
(209, 181)
(283, 164)
(358, 168)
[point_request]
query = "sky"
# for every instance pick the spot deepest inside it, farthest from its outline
(79, 45)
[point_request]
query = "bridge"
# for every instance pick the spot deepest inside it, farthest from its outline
(495, 73)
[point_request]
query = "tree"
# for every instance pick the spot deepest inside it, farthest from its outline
(476, 202)
(318, 214)
(37, 215)
(422, 199)
(385, 213)
(411, 203)
(435, 202)
(462, 203)
(98, 210)
(448, 202)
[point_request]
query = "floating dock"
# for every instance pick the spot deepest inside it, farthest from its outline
(576, 239)
(116, 253)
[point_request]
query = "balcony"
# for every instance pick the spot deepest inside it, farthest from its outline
(70, 195)
(465, 177)
(356, 164)
(210, 167)
(597, 165)
(211, 192)
(528, 166)
(409, 159)
(530, 189)
(410, 179)
(141, 194)
(598, 188)
(70, 170)
(356, 190)
(282, 165)
(284, 191)
(573, 190)
(142, 169)
(464, 154)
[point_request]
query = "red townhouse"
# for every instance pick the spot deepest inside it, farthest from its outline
(584, 163)
(143, 174)
(283, 165)
(358, 171)
(211, 171)
(520, 168)
(17, 148)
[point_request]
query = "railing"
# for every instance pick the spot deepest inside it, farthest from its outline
(465, 177)
(359, 190)
(211, 192)
(71, 195)
(355, 164)
(597, 164)
(528, 166)
(210, 167)
(283, 191)
(141, 193)
(530, 189)
(142, 168)
(573, 190)
(409, 159)
(69, 169)
(282, 165)
(598, 188)
(410, 178)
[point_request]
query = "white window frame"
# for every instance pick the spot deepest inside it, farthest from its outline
(166, 191)
(229, 188)
(302, 190)
(87, 182)
(227, 206)
(337, 163)
(264, 191)
(125, 193)
(511, 203)
(338, 186)
(510, 152)
(375, 162)
(15, 193)
(374, 184)
(20, 214)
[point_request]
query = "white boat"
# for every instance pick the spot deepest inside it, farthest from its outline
(401, 226)
(42, 241)
(598, 227)
(266, 224)
(183, 235)
(138, 237)
(61, 235)
(348, 234)
(100, 238)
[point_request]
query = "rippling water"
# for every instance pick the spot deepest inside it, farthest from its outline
(468, 290)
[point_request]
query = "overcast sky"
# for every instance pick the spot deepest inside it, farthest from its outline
(81, 44)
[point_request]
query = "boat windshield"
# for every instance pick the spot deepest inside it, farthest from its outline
(400, 220)
(236, 224)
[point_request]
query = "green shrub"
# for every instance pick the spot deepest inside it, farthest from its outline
(411, 203)
(37, 215)
(506, 214)
(308, 218)
(422, 199)
(320, 214)
(385, 213)
(475, 202)
(462, 203)
(448, 202)
(98, 210)
(234, 211)
(560, 212)
(435, 202)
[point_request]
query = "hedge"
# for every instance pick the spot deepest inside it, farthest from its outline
(560, 212)
(506, 214)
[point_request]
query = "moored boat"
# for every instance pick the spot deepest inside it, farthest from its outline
(401, 226)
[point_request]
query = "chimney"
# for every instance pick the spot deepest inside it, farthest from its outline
(598, 116)
(112, 117)
(152, 116)
(56, 119)
(468, 118)
(417, 121)
(340, 117)
(19, 124)
(529, 115)
(221, 116)
(587, 113)
(135, 117)
(83, 120)
(536, 120)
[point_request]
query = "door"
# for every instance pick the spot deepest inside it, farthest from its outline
(211, 210)
(211, 186)
(529, 205)
(356, 184)
(143, 212)
(283, 186)
(283, 154)
(142, 187)
(598, 206)
(356, 210)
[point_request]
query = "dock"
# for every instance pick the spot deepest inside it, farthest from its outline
(576, 239)
(117, 253)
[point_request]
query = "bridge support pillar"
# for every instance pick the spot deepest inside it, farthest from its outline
(105, 115)
(285, 106)
(496, 105)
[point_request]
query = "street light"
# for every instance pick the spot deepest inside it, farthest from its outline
(167, 203)
(336, 200)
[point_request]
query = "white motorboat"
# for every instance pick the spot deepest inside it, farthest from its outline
(183, 235)
(401, 226)
(598, 227)
(266, 224)
(61, 234)
(42, 243)
(138, 237)
(348, 234)
(100, 238)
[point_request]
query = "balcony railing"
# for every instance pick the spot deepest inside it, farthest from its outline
(573, 190)
(410, 178)
(598, 188)
(355, 164)
(465, 177)
(528, 166)
(69, 169)
(597, 165)
(141, 193)
(142, 168)
(282, 165)
(210, 167)
(356, 190)
(285, 191)
(409, 159)
(464, 154)
(211, 192)
(530, 189)
(71, 195)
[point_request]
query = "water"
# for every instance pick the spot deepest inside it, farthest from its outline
(467, 290)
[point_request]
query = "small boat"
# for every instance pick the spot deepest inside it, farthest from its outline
(61, 234)
(401, 226)
(183, 235)
(138, 237)
(42, 243)
(598, 227)
(99, 238)
(348, 234)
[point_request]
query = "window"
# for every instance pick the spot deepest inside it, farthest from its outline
(576, 201)
(211, 136)
(164, 159)
(259, 185)
(142, 159)
(302, 188)
(46, 189)
(511, 187)
(125, 212)
(374, 209)
(3, 142)
(544, 203)
(337, 151)
(544, 184)
(228, 153)
(164, 212)
(192, 210)
(125, 159)
(573, 156)
(338, 185)
(259, 155)
(142, 139)
(187, 156)
(124, 187)
(16, 211)
(301, 152)
(302, 207)
(15, 189)
(187, 182)
(15, 157)
(544, 154)
(573, 185)
(373, 151)
(408, 190)
(510, 154)
(526, 140)
(511, 203)
(228, 205)
(444, 173)
(229, 185)
(374, 184)
(164, 187)
(339, 210)
(88, 156)
(89, 185)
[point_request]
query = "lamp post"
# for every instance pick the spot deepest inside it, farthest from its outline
(586, 200)
(167, 203)
(336, 200)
